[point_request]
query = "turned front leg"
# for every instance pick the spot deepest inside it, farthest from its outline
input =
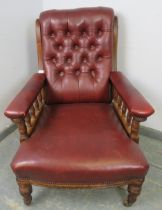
(26, 190)
(134, 190)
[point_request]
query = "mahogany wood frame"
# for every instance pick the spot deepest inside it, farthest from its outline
(27, 124)
(130, 123)
(134, 188)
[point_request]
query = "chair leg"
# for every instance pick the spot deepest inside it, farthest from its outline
(134, 190)
(26, 190)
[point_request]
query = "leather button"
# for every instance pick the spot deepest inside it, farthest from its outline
(61, 73)
(99, 58)
(83, 33)
(54, 60)
(76, 46)
(77, 72)
(60, 46)
(67, 33)
(99, 32)
(68, 60)
(92, 46)
(84, 60)
(52, 35)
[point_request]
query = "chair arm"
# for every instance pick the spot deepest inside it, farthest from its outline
(129, 104)
(26, 107)
(22, 102)
(136, 103)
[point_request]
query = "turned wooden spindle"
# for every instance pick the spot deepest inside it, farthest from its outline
(124, 109)
(27, 120)
(129, 118)
(28, 123)
(123, 115)
(32, 114)
(36, 107)
(119, 102)
(20, 122)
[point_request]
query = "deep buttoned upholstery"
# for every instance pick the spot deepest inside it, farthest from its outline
(77, 54)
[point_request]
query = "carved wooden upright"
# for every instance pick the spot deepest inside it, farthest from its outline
(129, 122)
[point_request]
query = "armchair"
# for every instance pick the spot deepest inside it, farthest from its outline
(79, 119)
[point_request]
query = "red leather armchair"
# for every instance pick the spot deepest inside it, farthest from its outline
(79, 119)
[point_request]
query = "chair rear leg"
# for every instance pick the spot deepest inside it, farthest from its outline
(134, 190)
(26, 190)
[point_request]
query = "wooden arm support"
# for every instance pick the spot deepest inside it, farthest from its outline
(130, 123)
(27, 124)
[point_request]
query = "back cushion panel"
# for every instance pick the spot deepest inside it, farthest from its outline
(77, 54)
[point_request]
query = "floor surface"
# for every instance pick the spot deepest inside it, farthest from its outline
(59, 199)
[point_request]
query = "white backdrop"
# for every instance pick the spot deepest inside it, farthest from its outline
(139, 54)
(18, 59)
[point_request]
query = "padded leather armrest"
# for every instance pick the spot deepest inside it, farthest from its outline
(22, 102)
(136, 103)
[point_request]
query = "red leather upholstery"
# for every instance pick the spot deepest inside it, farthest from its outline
(136, 103)
(77, 54)
(79, 143)
(22, 102)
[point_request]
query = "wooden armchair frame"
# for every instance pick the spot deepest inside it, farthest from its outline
(26, 124)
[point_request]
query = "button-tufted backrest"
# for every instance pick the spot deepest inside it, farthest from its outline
(77, 54)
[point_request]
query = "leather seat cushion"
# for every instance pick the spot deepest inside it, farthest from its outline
(79, 143)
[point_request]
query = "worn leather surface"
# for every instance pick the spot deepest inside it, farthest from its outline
(79, 143)
(24, 99)
(77, 54)
(135, 102)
